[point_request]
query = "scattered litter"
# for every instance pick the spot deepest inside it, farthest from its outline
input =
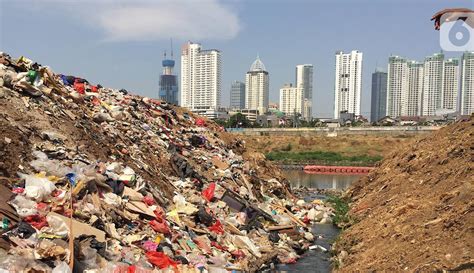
(123, 183)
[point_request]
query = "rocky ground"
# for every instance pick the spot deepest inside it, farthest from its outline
(415, 212)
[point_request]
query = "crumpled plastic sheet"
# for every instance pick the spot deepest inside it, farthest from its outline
(37, 187)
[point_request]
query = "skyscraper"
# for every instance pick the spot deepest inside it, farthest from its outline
(291, 100)
(449, 96)
(257, 87)
(432, 84)
(348, 82)
(467, 83)
(397, 84)
(412, 106)
(304, 80)
(378, 105)
(201, 79)
(168, 81)
(237, 95)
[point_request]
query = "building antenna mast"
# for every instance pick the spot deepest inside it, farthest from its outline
(171, 42)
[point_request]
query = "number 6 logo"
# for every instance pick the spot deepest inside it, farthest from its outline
(457, 31)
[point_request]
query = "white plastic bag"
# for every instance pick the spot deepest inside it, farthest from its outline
(23, 206)
(56, 226)
(37, 188)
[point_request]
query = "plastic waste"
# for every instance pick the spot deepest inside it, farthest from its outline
(36, 221)
(56, 226)
(217, 227)
(160, 259)
(200, 122)
(36, 187)
(161, 227)
(23, 206)
(208, 193)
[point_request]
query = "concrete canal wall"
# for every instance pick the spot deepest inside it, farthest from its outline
(333, 132)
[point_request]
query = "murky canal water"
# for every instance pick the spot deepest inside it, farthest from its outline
(316, 261)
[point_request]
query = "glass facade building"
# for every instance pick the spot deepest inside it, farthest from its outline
(168, 83)
(378, 105)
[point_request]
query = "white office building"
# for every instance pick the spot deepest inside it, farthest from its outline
(304, 80)
(412, 105)
(397, 85)
(348, 82)
(449, 96)
(432, 84)
(404, 87)
(467, 83)
(292, 100)
(201, 72)
(257, 84)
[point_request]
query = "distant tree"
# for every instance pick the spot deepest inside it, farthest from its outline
(311, 123)
(238, 121)
(221, 122)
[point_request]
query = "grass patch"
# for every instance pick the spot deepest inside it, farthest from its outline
(341, 211)
(328, 158)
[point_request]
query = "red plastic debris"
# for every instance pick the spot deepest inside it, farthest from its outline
(160, 259)
(217, 227)
(79, 87)
(200, 122)
(218, 246)
(208, 193)
(148, 200)
(131, 269)
(238, 254)
(36, 221)
(18, 190)
(160, 225)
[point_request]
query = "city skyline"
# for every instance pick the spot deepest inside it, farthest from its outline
(426, 88)
(130, 62)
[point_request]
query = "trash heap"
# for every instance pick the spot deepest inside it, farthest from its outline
(95, 179)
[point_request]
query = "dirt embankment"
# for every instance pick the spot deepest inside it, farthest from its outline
(416, 211)
(340, 150)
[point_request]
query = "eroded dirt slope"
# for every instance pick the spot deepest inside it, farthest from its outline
(416, 211)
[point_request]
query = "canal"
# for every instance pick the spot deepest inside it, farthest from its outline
(317, 261)
(299, 178)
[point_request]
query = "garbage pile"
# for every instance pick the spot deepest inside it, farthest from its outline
(95, 179)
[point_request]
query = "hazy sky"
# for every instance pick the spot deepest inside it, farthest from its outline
(120, 43)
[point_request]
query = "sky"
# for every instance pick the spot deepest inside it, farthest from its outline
(120, 44)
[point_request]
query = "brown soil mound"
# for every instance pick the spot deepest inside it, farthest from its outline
(416, 211)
